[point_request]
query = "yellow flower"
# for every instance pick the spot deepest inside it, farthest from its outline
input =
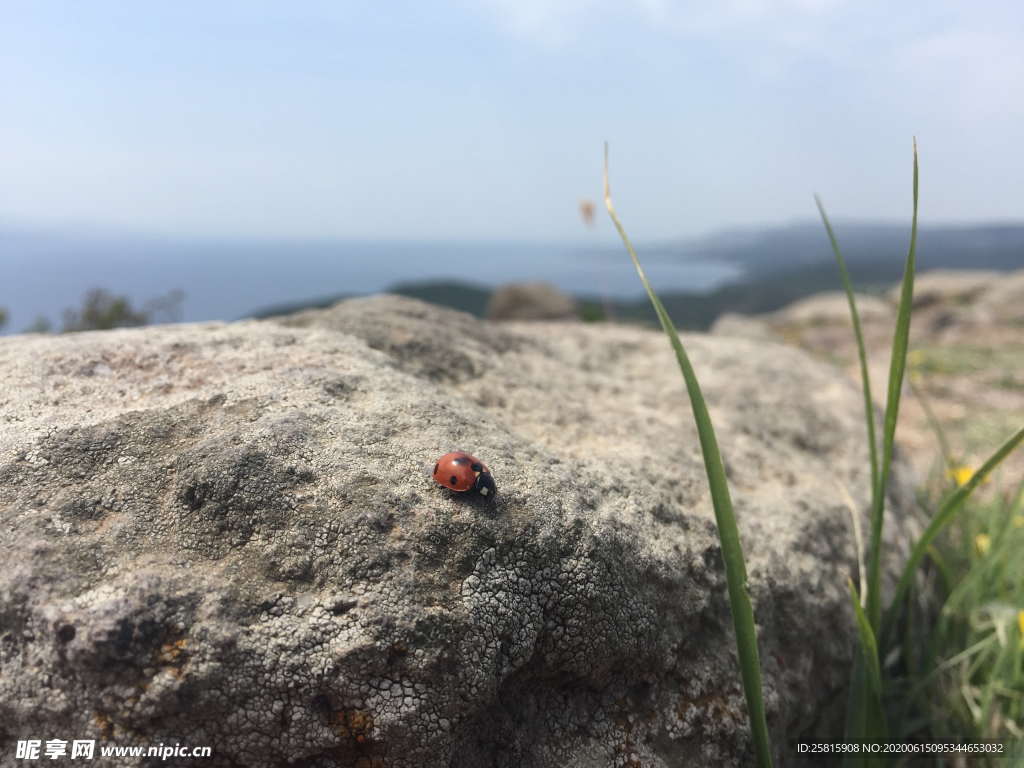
(960, 474)
(982, 543)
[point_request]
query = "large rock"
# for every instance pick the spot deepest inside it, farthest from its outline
(1003, 301)
(947, 286)
(227, 535)
(530, 301)
(752, 327)
(833, 307)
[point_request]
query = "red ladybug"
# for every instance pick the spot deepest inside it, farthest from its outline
(459, 471)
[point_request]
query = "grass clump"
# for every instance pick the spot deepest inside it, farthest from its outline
(899, 713)
(968, 681)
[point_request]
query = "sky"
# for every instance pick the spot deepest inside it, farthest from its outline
(460, 120)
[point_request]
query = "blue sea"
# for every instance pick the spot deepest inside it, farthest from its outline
(42, 275)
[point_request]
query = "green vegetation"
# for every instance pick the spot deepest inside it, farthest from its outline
(968, 678)
(897, 367)
(101, 311)
(472, 299)
(592, 311)
(41, 324)
(756, 293)
(464, 297)
(862, 356)
(3, 318)
(897, 710)
(923, 672)
(934, 360)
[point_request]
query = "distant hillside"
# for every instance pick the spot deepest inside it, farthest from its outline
(461, 296)
(763, 290)
(46, 272)
(988, 246)
(782, 265)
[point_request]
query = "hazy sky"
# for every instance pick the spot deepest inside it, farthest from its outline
(480, 120)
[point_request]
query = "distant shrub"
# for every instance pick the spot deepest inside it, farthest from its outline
(102, 311)
(592, 312)
(41, 324)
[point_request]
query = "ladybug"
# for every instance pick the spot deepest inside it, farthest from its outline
(459, 471)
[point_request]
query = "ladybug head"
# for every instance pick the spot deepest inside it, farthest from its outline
(485, 485)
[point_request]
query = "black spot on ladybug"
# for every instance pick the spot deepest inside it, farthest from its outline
(436, 466)
(453, 480)
(476, 467)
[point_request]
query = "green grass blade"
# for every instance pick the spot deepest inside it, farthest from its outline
(1001, 669)
(872, 667)
(945, 573)
(728, 533)
(869, 407)
(944, 516)
(865, 716)
(933, 422)
(858, 722)
(897, 367)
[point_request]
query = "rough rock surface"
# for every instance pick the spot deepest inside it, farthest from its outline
(227, 535)
(744, 327)
(966, 363)
(1003, 300)
(948, 285)
(530, 301)
(833, 307)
